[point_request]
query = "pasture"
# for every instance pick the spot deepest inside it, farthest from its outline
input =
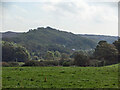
(60, 77)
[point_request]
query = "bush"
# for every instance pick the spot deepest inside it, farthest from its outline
(41, 63)
(10, 64)
(97, 63)
(14, 64)
(81, 59)
(32, 63)
(5, 64)
(65, 63)
(50, 63)
(61, 62)
(69, 62)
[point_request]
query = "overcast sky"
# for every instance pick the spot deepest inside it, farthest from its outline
(77, 16)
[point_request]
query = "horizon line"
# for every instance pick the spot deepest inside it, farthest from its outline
(58, 30)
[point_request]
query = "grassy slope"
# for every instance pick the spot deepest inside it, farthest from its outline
(60, 77)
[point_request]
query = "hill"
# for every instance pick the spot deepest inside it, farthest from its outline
(40, 40)
(43, 39)
(10, 34)
(97, 38)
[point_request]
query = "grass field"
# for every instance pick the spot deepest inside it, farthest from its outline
(60, 77)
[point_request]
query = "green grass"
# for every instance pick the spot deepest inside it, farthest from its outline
(60, 77)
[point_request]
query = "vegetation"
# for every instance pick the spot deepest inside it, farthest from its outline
(60, 77)
(10, 64)
(51, 44)
(39, 41)
(28, 57)
(97, 38)
(106, 52)
(117, 45)
(14, 52)
(81, 59)
(49, 55)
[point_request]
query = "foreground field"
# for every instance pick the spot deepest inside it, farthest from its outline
(60, 77)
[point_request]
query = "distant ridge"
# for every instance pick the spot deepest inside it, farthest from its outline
(97, 38)
(44, 39)
(10, 34)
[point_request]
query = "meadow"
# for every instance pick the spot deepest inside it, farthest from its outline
(60, 77)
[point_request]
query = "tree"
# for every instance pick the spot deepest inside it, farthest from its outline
(35, 58)
(106, 52)
(57, 54)
(21, 54)
(14, 52)
(8, 51)
(64, 56)
(117, 45)
(49, 55)
(81, 59)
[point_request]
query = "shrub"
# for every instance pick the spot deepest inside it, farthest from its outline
(81, 59)
(65, 63)
(69, 62)
(31, 63)
(5, 64)
(50, 63)
(41, 63)
(61, 62)
(34, 63)
(10, 64)
(14, 64)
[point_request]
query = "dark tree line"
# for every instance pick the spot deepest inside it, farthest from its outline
(103, 54)
(117, 45)
(14, 52)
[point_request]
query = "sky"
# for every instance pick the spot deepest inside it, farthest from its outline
(76, 16)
